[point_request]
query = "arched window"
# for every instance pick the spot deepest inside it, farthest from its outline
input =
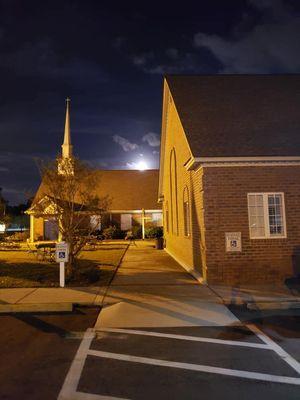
(186, 212)
(173, 193)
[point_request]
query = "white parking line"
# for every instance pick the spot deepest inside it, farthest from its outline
(275, 347)
(73, 376)
(69, 389)
(196, 367)
(189, 338)
(91, 396)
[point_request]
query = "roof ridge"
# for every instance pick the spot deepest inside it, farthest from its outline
(233, 74)
(129, 170)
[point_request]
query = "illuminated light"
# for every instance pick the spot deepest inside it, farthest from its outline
(142, 166)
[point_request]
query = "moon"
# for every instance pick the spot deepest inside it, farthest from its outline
(141, 165)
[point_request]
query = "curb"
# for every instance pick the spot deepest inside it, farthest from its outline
(33, 307)
(275, 305)
(101, 303)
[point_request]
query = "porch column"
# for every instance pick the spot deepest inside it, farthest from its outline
(31, 228)
(59, 239)
(143, 223)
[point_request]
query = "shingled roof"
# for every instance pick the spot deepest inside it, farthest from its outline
(127, 189)
(130, 189)
(239, 115)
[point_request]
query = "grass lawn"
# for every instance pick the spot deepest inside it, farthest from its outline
(95, 268)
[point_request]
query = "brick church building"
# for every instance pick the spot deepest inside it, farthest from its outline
(230, 176)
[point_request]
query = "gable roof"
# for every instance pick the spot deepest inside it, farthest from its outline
(130, 189)
(127, 189)
(239, 115)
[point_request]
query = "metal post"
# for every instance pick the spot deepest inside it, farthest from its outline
(143, 224)
(62, 274)
(31, 228)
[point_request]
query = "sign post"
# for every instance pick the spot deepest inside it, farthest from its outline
(62, 256)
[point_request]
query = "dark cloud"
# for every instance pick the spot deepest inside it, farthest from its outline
(188, 63)
(173, 53)
(271, 46)
(141, 59)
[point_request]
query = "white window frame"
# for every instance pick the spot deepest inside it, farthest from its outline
(268, 235)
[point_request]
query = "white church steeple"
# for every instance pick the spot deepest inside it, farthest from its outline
(67, 148)
(65, 163)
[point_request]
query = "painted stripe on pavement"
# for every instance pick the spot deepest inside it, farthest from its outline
(72, 379)
(190, 338)
(91, 396)
(69, 389)
(196, 367)
(275, 347)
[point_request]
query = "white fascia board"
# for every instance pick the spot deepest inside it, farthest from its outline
(242, 161)
(132, 211)
(166, 94)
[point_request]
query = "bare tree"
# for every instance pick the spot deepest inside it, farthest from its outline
(4, 217)
(69, 191)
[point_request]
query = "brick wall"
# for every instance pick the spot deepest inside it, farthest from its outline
(226, 210)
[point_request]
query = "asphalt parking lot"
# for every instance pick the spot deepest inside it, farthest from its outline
(191, 362)
(37, 351)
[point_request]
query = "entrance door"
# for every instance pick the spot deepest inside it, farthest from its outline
(50, 229)
(126, 222)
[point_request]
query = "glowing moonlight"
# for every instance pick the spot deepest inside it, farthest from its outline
(142, 166)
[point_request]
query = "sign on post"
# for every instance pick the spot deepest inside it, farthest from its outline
(62, 256)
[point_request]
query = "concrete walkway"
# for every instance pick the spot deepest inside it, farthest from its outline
(151, 290)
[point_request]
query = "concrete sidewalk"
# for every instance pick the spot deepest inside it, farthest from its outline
(151, 290)
(151, 283)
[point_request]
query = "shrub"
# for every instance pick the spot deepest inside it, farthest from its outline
(108, 233)
(154, 232)
(19, 236)
(136, 232)
(113, 232)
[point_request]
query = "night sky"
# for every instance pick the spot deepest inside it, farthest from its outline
(110, 58)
